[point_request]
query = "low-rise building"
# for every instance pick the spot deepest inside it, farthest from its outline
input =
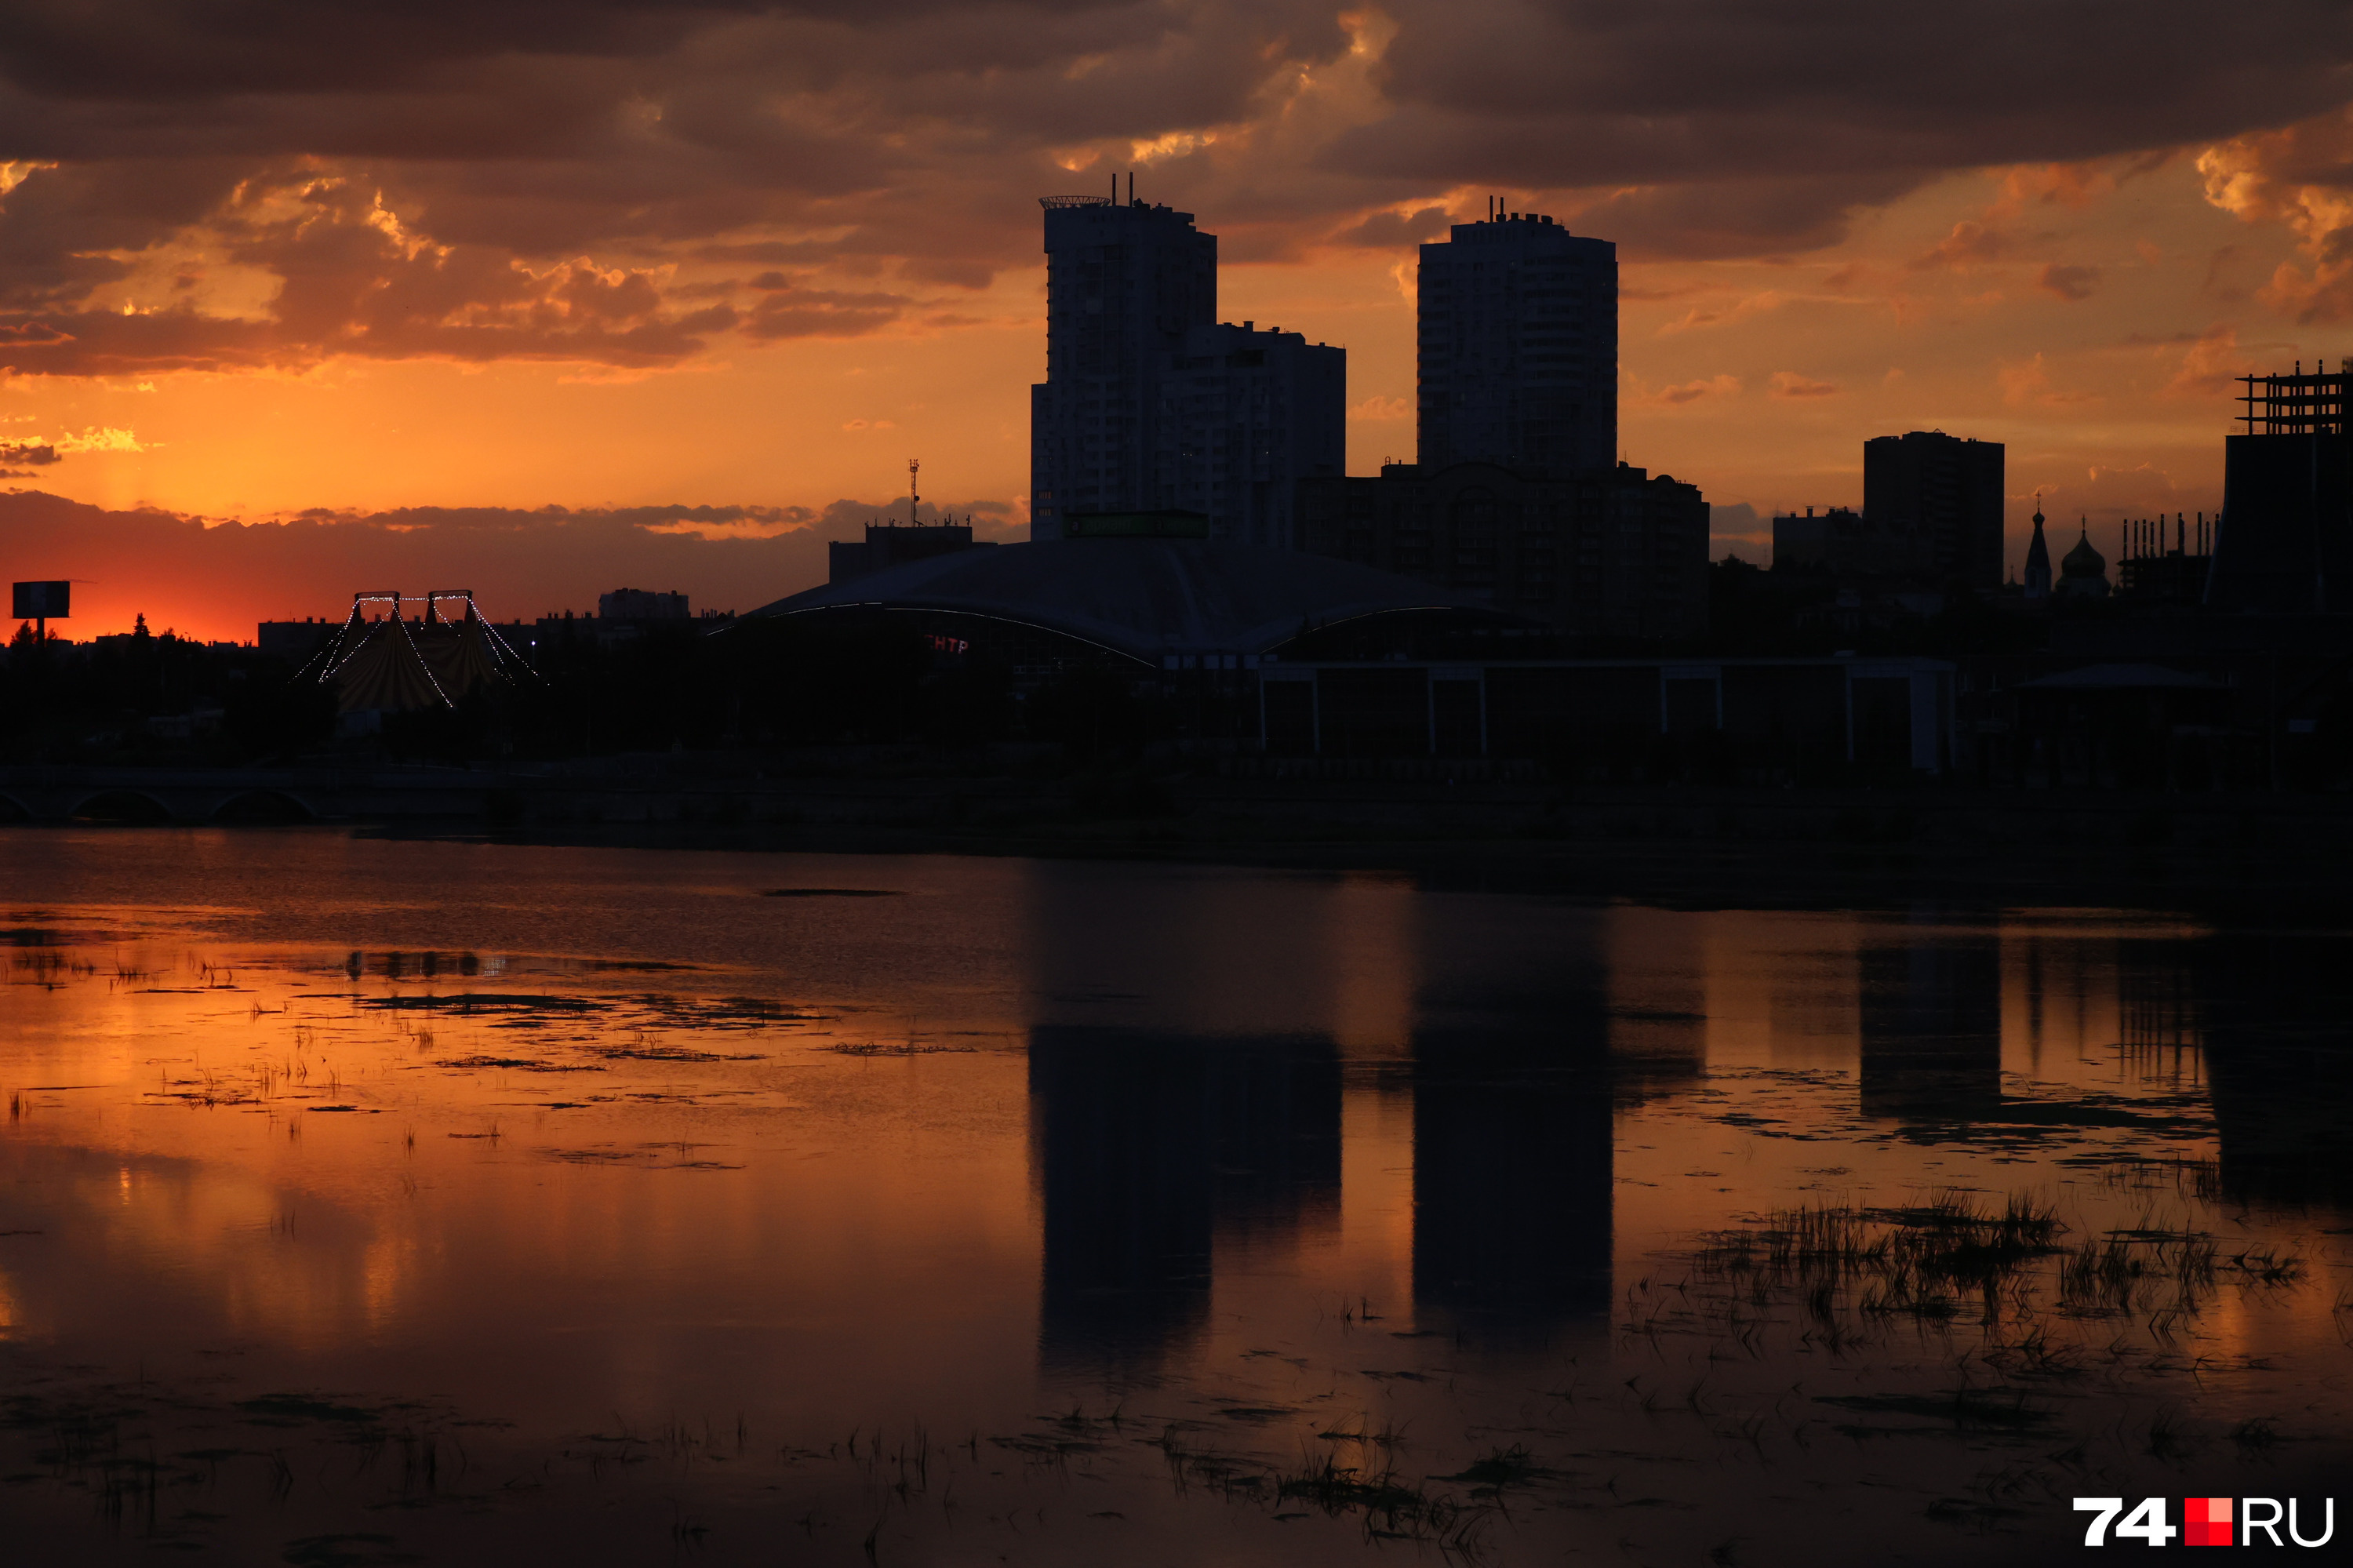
(1614, 553)
(1759, 720)
(1845, 543)
(636, 604)
(294, 640)
(887, 545)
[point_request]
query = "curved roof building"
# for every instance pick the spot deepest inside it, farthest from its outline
(1150, 599)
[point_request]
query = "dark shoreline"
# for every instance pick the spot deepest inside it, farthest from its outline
(1467, 829)
(1689, 847)
(2266, 885)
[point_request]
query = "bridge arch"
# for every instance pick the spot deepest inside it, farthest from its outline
(12, 809)
(258, 806)
(121, 806)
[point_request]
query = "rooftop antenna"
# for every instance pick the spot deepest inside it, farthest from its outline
(913, 464)
(1131, 187)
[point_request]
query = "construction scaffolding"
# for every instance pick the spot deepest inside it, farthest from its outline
(2298, 404)
(2164, 563)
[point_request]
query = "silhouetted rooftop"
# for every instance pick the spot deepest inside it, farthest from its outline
(1144, 598)
(2122, 677)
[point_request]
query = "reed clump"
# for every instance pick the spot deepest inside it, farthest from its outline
(1927, 1260)
(1853, 1270)
(1391, 1508)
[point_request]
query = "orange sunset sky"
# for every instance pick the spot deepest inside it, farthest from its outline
(545, 299)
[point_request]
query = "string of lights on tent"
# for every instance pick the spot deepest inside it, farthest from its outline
(388, 663)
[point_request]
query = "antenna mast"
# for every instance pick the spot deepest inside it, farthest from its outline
(913, 464)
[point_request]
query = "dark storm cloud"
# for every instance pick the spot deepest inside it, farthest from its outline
(1738, 217)
(1386, 230)
(164, 50)
(459, 163)
(267, 182)
(2069, 283)
(1578, 92)
(65, 230)
(789, 310)
(350, 282)
(1827, 106)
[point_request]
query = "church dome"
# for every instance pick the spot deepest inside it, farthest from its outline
(2083, 561)
(2083, 571)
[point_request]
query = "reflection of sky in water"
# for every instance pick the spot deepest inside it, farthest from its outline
(680, 1185)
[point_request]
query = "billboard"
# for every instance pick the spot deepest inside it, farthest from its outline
(42, 601)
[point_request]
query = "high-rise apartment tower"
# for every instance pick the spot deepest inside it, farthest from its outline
(1946, 493)
(1149, 404)
(1518, 348)
(1123, 283)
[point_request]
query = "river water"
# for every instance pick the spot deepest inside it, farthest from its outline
(366, 1201)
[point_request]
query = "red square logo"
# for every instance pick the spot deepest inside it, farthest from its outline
(2206, 1522)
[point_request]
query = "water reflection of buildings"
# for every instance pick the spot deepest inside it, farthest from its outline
(1152, 1151)
(2158, 1024)
(1185, 1086)
(1198, 1061)
(2279, 1065)
(1191, 1074)
(1930, 1018)
(2252, 1022)
(1513, 1082)
(1511, 1184)
(1157, 1154)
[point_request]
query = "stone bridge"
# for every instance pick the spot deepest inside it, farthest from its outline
(244, 794)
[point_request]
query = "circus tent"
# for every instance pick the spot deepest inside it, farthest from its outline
(387, 664)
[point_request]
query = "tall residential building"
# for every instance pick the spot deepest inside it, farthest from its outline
(1946, 493)
(1519, 348)
(1244, 416)
(1148, 404)
(1518, 499)
(1124, 285)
